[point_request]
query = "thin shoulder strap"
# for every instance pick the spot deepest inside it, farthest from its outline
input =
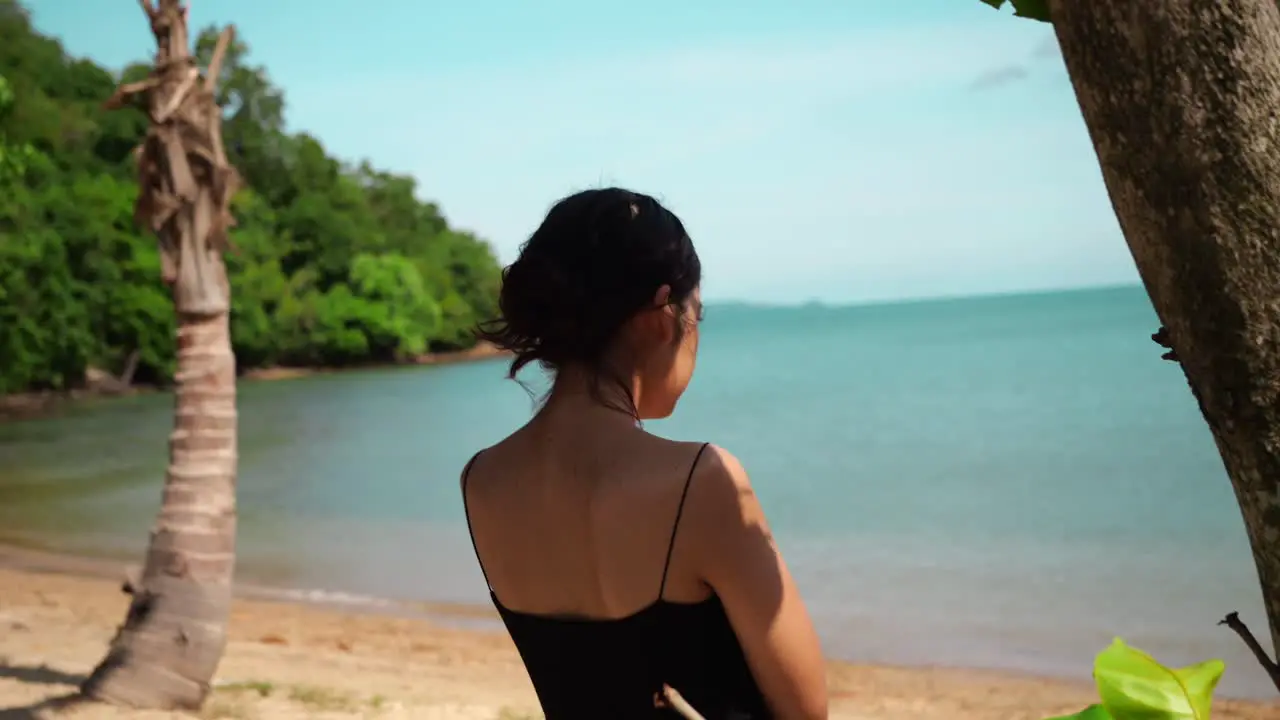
(675, 527)
(466, 510)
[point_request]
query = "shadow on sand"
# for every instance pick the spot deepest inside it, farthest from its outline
(41, 675)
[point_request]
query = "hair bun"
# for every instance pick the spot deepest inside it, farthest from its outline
(595, 261)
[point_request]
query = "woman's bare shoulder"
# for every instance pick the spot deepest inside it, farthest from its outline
(721, 496)
(721, 472)
(687, 449)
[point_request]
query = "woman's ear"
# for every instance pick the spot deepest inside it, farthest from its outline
(661, 313)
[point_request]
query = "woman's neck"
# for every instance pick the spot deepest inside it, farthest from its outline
(614, 396)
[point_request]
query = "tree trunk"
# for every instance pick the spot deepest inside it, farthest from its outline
(172, 640)
(166, 653)
(1181, 100)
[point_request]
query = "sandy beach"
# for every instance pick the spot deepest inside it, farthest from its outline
(303, 661)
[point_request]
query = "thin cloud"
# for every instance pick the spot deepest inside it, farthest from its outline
(997, 77)
(1046, 49)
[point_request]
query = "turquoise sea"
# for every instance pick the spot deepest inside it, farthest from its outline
(1003, 482)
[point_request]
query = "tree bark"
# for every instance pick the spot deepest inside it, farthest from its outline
(169, 647)
(1181, 99)
(166, 653)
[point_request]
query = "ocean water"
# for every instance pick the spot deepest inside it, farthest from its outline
(1001, 482)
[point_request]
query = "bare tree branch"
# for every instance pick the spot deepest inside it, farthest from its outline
(179, 94)
(1233, 621)
(219, 51)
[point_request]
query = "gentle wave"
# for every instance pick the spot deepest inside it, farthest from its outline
(317, 596)
(456, 617)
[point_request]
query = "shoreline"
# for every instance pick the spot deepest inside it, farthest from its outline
(38, 403)
(481, 351)
(302, 658)
(28, 559)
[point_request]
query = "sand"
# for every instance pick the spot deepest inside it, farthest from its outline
(302, 661)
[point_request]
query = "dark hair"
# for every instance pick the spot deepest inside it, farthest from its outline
(596, 260)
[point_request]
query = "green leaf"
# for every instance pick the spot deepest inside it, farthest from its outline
(1093, 712)
(1133, 685)
(1031, 9)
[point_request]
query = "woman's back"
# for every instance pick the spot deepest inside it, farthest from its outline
(594, 510)
(621, 561)
(587, 573)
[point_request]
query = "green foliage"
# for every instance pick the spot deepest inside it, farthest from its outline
(1134, 686)
(334, 264)
(1030, 9)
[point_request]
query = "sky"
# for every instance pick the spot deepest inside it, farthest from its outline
(816, 149)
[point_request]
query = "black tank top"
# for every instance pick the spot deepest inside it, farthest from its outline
(588, 669)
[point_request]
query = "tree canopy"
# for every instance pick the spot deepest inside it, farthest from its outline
(335, 263)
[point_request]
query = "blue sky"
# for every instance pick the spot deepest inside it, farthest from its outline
(816, 149)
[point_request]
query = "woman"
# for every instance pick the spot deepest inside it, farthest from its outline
(621, 561)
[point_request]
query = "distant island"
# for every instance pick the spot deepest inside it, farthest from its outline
(335, 265)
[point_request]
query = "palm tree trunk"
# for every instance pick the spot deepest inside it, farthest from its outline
(166, 653)
(168, 649)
